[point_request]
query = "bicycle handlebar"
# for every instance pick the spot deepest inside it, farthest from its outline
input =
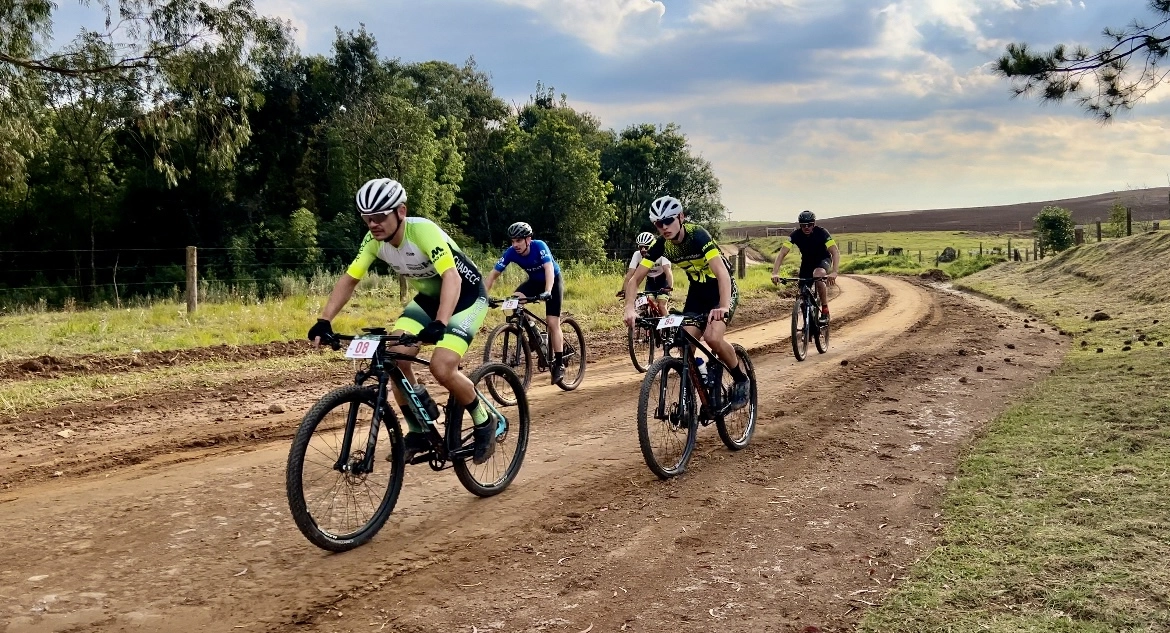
(785, 280)
(334, 341)
(665, 292)
(495, 303)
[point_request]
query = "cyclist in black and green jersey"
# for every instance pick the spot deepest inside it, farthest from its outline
(819, 257)
(712, 290)
(447, 311)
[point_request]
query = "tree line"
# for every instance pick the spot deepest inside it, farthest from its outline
(187, 124)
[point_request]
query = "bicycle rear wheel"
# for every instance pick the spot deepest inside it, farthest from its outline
(574, 340)
(799, 329)
(494, 475)
(339, 508)
(666, 419)
(507, 344)
(736, 427)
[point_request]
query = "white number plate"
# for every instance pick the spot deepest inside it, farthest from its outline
(673, 320)
(362, 347)
(510, 304)
(640, 301)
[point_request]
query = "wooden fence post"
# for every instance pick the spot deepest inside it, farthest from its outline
(192, 281)
(742, 261)
(1098, 230)
(401, 288)
(1128, 221)
(1079, 235)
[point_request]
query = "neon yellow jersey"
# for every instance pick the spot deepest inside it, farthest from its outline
(425, 254)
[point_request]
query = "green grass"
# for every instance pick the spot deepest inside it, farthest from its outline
(238, 320)
(1057, 518)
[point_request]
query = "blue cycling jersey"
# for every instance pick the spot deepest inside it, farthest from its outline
(533, 263)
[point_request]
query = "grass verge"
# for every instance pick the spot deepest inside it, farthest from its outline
(1057, 519)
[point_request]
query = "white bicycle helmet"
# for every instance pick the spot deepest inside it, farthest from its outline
(664, 207)
(380, 195)
(645, 238)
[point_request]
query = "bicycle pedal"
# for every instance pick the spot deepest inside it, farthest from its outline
(421, 458)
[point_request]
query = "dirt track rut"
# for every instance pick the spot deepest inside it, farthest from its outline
(834, 499)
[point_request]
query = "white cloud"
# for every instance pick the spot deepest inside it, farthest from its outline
(607, 26)
(290, 11)
(728, 14)
(951, 159)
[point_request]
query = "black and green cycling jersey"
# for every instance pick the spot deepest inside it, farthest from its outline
(695, 255)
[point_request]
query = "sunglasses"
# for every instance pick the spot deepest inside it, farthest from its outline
(664, 222)
(805, 225)
(376, 218)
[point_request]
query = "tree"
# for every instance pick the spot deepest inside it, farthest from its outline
(646, 161)
(187, 61)
(1055, 228)
(554, 184)
(1117, 216)
(1101, 82)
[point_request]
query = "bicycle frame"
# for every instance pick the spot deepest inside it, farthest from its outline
(527, 321)
(384, 367)
(689, 344)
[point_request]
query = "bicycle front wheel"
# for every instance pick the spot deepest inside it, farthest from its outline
(337, 505)
(512, 422)
(574, 354)
(822, 335)
(736, 427)
(666, 418)
(799, 330)
(508, 345)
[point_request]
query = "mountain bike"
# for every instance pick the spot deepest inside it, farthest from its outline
(340, 493)
(524, 335)
(643, 338)
(681, 392)
(806, 322)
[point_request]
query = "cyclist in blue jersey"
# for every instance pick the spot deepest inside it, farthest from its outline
(544, 280)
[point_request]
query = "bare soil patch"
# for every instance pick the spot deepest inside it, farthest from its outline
(835, 498)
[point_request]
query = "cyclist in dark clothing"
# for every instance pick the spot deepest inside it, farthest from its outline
(819, 256)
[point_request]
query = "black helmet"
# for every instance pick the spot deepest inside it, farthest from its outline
(519, 230)
(806, 216)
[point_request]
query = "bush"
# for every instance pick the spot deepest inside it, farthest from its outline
(1055, 228)
(881, 264)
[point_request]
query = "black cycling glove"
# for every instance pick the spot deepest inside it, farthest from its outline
(433, 332)
(544, 296)
(322, 328)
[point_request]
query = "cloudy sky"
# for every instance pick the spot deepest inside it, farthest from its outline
(839, 106)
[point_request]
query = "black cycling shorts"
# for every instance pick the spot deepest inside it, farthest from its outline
(534, 287)
(654, 284)
(806, 270)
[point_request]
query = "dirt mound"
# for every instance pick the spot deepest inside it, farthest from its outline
(55, 367)
(935, 274)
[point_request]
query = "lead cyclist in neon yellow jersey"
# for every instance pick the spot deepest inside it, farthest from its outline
(447, 311)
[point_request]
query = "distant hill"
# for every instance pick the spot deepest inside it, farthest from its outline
(1147, 204)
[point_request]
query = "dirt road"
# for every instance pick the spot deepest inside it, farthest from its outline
(173, 520)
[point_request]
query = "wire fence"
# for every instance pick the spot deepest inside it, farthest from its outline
(44, 279)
